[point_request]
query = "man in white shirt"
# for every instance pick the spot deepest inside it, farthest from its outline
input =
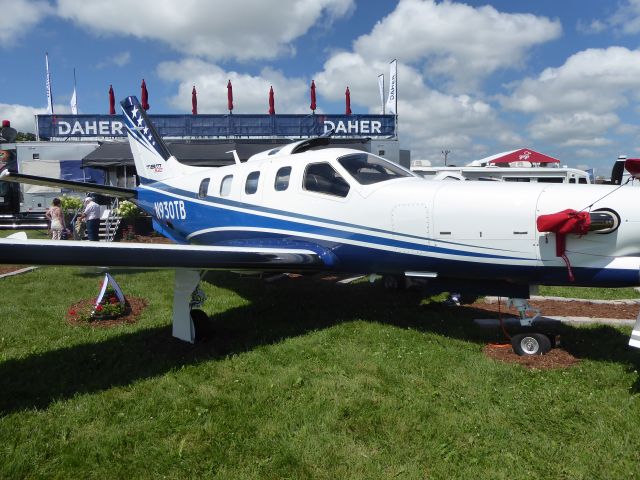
(91, 215)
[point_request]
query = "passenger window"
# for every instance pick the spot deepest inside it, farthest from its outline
(322, 178)
(204, 187)
(251, 185)
(282, 179)
(225, 186)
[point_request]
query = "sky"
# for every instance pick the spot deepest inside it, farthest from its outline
(476, 78)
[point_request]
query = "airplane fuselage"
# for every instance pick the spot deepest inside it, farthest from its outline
(468, 230)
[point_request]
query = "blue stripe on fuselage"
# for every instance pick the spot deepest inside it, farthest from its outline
(210, 213)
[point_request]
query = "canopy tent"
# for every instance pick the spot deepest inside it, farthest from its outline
(204, 154)
(523, 157)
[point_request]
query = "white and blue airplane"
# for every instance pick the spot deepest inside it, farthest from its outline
(300, 209)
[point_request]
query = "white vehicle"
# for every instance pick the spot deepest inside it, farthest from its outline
(505, 174)
(294, 209)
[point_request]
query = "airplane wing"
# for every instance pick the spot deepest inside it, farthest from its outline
(7, 176)
(198, 257)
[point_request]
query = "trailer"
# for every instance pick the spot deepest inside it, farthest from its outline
(23, 206)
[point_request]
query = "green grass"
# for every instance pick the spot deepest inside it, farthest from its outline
(590, 293)
(298, 379)
(38, 234)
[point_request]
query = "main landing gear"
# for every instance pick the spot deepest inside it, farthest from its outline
(187, 298)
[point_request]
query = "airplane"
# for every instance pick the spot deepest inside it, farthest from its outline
(298, 208)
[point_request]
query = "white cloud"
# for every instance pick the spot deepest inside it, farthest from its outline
(574, 129)
(22, 117)
(626, 19)
(17, 17)
(575, 104)
(250, 93)
(118, 60)
(217, 29)
(597, 80)
(456, 40)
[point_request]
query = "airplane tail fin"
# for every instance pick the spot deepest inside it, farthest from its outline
(152, 158)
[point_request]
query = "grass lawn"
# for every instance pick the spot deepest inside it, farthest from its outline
(298, 379)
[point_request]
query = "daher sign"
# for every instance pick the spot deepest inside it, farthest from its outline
(236, 125)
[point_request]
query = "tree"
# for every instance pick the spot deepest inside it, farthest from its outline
(25, 137)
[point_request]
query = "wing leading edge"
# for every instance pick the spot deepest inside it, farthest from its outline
(199, 257)
(7, 176)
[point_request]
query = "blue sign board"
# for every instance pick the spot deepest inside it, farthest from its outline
(235, 125)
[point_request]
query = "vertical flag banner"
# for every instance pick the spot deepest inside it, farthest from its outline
(272, 102)
(194, 101)
(230, 97)
(48, 82)
(112, 101)
(381, 88)
(313, 96)
(392, 99)
(347, 102)
(144, 95)
(74, 96)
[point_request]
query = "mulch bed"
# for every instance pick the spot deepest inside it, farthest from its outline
(147, 239)
(556, 358)
(137, 307)
(557, 308)
(10, 268)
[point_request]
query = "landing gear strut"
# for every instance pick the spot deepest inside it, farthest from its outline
(187, 297)
(529, 342)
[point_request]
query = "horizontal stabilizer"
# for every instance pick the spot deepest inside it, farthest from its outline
(120, 192)
(145, 255)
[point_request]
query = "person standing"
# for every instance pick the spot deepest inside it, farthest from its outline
(91, 216)
(56, 218)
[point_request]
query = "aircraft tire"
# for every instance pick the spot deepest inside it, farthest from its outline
(200, 323)
(528, 344)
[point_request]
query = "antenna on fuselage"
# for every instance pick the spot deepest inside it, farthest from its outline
(235, 156)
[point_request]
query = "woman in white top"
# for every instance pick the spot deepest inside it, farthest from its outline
(55, 215)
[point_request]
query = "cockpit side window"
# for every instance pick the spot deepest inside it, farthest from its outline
(323, 178)
(368, 169)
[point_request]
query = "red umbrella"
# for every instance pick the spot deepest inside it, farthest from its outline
(144, 95)
(112, 101)
(229, 96)
(313, 96)
(347, 99)
(194, 101)
(272, 102)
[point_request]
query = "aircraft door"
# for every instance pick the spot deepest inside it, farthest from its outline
(410, 222)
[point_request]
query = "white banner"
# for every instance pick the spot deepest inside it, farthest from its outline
(381, 88)
(74, 96)
(74, 102)
(392, 99)
(48, 82)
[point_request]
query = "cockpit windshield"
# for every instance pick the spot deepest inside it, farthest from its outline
(368, 169)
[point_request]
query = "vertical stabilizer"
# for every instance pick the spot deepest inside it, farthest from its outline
(153, 160)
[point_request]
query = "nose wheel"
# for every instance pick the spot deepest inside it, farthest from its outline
(528, 344)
